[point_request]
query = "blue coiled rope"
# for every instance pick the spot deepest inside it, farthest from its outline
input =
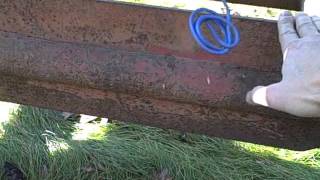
(228, 38)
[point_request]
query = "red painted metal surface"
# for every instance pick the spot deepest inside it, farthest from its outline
(140, 64)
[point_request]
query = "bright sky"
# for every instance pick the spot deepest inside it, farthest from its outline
(312, 7)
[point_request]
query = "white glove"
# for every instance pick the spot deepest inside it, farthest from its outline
(298, 92)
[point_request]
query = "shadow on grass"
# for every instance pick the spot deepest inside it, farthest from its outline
(44, 146)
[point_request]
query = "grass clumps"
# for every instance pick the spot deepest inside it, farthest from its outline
(44, 146)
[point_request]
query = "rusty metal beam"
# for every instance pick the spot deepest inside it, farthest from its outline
(140, 64)
(282, 4)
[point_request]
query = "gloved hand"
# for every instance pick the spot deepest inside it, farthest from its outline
(298, 92)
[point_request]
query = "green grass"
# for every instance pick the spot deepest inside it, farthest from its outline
(44, 146)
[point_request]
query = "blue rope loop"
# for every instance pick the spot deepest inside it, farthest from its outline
(228, 38)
